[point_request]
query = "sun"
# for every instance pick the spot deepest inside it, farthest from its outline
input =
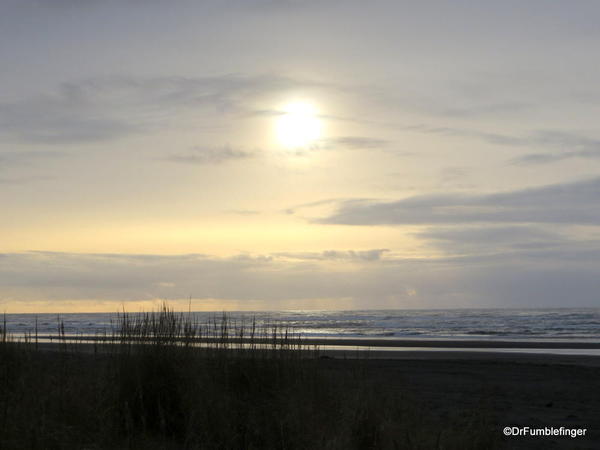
(299, 125)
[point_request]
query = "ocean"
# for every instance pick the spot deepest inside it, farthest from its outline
(565, 324)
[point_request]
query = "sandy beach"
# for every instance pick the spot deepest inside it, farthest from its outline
(509, 390)
(501, 389)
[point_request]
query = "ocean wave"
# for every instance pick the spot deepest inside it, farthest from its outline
(492, 324)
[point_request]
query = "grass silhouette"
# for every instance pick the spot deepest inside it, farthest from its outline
(163, 381)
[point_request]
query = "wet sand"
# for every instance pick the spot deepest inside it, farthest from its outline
(582, 352)
(454, 343)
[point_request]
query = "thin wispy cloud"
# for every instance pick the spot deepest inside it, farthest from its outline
(353, 142)
(107, 108)
(532, 159)
(562, 146)
(336, 255)
(202, 155)
(557, 145)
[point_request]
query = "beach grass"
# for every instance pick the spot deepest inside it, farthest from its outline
(162, 381)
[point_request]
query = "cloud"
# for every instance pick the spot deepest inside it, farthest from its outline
(106, 108)
(59, 276)
(560, 145)
(439, 99)
(353, 142)
(61, 118)
(482, 109)
(569, 203)
(474, 240)
(456, 177)
(537, 278)
(336, 255)
(545, 158)
(490, 138)
(310, 205)
(537, 158)
(569, 145)
(217, 155)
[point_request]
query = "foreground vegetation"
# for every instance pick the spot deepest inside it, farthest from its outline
(152, 385)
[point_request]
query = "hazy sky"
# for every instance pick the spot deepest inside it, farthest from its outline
(458, 163)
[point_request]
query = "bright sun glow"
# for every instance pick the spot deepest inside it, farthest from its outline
(299, 125)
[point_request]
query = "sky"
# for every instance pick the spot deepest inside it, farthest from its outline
(443, 154)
